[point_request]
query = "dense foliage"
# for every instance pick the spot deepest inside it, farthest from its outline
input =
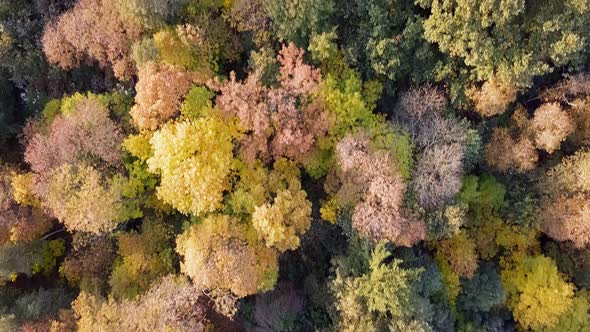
(294, 165)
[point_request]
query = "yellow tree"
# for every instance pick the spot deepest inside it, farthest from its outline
(220, 252)
(537, 293)
(194, 160)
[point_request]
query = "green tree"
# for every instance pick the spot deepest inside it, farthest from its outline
(512, 41)
(382, 296)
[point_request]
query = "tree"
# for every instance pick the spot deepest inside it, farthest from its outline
(484, 291)
(173, 303)
(92, 30)
(18, 222)
(143, 258)
(507, 153)
(493, 98)
(370, 183)
(250, 15)
(194, 159)
(571, 174)
(566, 218)
(438, 174)
(484, 34)
(383, 295)
(484, 195)
(459, 251)
(281, 223)
(536, 292)
(284, 121)
(85, 134)
(278, 310)
(149, 13)
(222, 253)
(160, 90)
(576, 318)
(385, 39)
(297, 21)
(552, 125)
(80, 197)
(565, 208)
(89, 263)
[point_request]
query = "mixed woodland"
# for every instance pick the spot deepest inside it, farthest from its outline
(295, 165)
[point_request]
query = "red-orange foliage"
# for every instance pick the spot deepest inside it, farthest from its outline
(87, 134)
(372, 179)
(160, 90)
(92, 30)
(280, 121)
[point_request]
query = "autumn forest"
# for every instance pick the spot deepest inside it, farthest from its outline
(295, 165)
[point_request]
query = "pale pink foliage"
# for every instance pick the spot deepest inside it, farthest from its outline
(282, 121)
(87, 134)
(372, 177)
(92, 30)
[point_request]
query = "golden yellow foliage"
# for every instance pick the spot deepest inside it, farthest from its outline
(280, 224)
(220, 252)
(194, 159)
(537, 292)
(22, 189)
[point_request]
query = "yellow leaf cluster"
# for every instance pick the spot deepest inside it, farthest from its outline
(194, 159)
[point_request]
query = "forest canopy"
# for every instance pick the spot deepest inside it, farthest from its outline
(295, 165)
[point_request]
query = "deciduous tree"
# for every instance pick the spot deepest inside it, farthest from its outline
(537, 293)
(93, 30)
(194, 159)
(221, 252)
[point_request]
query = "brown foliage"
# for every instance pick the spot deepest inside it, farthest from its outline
(493, 98)
(507, 153)
(581, 114)
(89, 263)
(460, 252)
(160, 90)
(567, 218)
(250, 15)
(278, 121)
(573, 86)
(371, 179)
(92, 30)
(551, 126)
